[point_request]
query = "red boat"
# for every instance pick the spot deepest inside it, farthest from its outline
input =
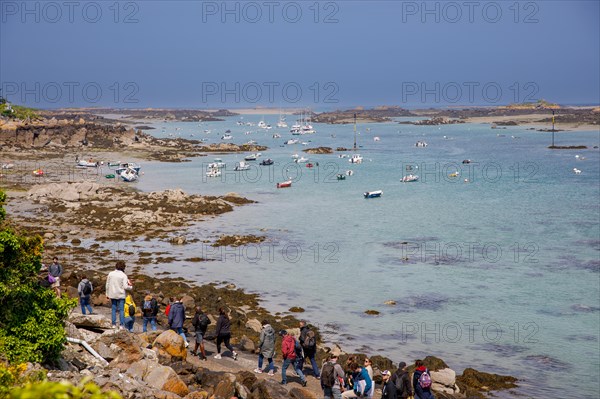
(309, 165)
(284, 184)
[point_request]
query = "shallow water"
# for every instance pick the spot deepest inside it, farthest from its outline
(500, 273)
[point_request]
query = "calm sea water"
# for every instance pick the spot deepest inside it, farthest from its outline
(500, 273)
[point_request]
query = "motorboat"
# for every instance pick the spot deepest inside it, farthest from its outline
(127, 165)
(267, 162)
(241, 166)
(88, 164)
(356, 158)
(309, 165)
(373, 194)
(226, 136)
(455, 174)
(38, 172)
(420, 144)
(376, 138)
(213, 172)
(277, 136)
(129, 175)
(217, 164)
(251, 157)
(292, 141)
(284, 184)
(466, 161)
(301, 160)
(410, 178)
(340, 176)
(349, 172)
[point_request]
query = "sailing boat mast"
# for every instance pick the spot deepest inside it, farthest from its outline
(354, 132)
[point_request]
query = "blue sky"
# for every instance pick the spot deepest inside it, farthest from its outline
(325, 54)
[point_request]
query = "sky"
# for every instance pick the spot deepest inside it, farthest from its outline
(315, 54)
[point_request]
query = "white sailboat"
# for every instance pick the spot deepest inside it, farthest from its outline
(355, 158)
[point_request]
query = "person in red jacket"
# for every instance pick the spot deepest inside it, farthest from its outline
(289, 346)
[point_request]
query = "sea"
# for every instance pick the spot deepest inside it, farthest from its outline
(490, 260)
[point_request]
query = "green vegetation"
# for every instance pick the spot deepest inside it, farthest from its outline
(17, 112)
(31, 316)
(534, 105)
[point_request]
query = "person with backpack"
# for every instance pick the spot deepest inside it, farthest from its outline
(55, 270)
(289, 350)
(332, 378)
(176, 319)
(85, 289)
(168, 308)
(200, 323)
(308, 341)
(422, 381)
(224, 334)
(363, 384)
(116, 285)
(388, 389)
(266, 348)
(401, 381)
(130, 310)
(149, 313)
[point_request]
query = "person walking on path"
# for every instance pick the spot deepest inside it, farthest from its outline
(401, 381)
(309, 346)
(422, 381)
(116, 285)
(130, 310)
(289, 348)
(176, 319)
(85, 289)
(224, 334)
(266, 348)
(332, 378)
(149, 313)
(388, 389)
(55, 270)
(200, 323)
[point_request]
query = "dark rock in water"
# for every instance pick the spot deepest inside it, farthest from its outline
(372, 312)
(144, 127)
(473, 383)
(432, 363)
(296, 309)
(547, 362)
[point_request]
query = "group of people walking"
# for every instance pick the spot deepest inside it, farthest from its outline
(352, 381)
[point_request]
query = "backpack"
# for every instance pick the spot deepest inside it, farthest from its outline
(131, 310)
(147, 307)
(87, 288)
(328, 375)
(309, 341)
(398, 383)
(425, 380)
(203, 322)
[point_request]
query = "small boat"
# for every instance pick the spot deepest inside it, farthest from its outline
(251, 157)
(227, 131)
(277, 136)
(577, 171)
(466, 161)
(309, 165)
(8, 165)
(110, 176)
(376, 138)
(284, 184)
(340, 176)
(212, 172)
(356, 158)
(267, 162)
(226, 136)
(129, 175)
(301, 160)
(421, 144)
(262, 125)
(241, 166)
(217, 164)
(373, 194)
(88, 164)
(127, 165)
(38, 172)
(349, 173)
(292, 141)
(455, 174)
(342, 156)
(410, 178)
(295, 156)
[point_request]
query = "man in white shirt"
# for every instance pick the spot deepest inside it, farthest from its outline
(116, 284)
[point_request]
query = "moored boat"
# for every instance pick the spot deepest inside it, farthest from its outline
(88, 164)
(373, 194)
(213, 172)
(340, 176)
(38, 172)
(241, 166)
(356, 158)
(251, 157)
(409, 178)
(267, 162)
(129, 175)
(284, 184)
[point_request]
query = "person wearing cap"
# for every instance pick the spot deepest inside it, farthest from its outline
(388, 389)
(401, 381)
(288, 350)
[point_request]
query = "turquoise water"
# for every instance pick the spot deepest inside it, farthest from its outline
(500, 273)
